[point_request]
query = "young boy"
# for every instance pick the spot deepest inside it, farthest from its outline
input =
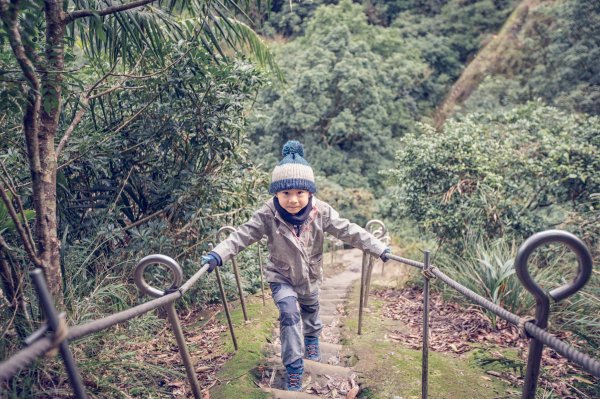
(295, 222)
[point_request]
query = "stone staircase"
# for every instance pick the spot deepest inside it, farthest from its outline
(333, 376)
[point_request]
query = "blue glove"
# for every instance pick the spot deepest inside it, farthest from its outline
(384, 256)
(211, 260)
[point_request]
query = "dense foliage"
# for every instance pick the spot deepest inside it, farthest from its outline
(555, 58)
(354, 86)
(148, 150)
(506, 174)
(173, 134)
(349, 93)
(151, 186)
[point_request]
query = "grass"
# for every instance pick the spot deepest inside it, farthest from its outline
(388, 369)
(236, 377)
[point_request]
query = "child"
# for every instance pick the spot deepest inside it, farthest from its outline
(295, 222)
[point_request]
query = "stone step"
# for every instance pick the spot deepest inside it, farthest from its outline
(314, 373)
(316, 368)
(334, 354)
(327, 350)
(334, 287)
(281, 394)
(332, 301)
(330, 308)
(333, 294)
(327, 319)
(329, 315)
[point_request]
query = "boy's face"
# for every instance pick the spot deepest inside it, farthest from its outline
(293, 200)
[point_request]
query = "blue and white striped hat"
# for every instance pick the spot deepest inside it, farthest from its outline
(292, 172)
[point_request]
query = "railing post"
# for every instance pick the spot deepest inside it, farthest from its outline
(260, 266)
(225, 304)
(542, 309)
(425, 360)
(226, 308)
(378, 229)
(238, 281)
(362, 292)
(183, 350)
(39, 282)
(332, 250)
(170, 309)
(370, 267)
(235, 271)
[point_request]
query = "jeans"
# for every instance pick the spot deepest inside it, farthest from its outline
(290, 332)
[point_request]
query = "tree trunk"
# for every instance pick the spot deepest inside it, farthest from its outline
(44, 182)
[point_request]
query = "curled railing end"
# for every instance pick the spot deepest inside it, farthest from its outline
(570, 240)
(164, 260)
(224, 229)
(376, 227)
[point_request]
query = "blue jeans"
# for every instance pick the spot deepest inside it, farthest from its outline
(290, 332)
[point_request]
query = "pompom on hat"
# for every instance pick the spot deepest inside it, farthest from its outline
(292, 172)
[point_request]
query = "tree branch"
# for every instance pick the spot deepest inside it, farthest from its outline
(11, 186)
(72, 16)
(9, 14)
(22, 234)
(85, 100)
(78, 116)
(117, 130)
(144, 220)
(4, 245)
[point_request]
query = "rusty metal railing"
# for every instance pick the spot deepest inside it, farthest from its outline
(238, 281)
(40, 342)
(60, 335)
(533, 328)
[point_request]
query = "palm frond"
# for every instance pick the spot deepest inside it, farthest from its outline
(146, 30)
(239, 36)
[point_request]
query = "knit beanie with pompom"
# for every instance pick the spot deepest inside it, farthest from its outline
(292, 172)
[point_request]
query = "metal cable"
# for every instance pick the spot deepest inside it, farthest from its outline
(409, 262)
(588, 363)
(505, 314)
(26, 356)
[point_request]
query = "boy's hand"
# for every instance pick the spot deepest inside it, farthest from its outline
(211, 260)
(384, 256)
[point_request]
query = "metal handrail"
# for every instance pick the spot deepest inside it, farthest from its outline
(378, 229)
(236, 271)
(40, 346)
(534, 329)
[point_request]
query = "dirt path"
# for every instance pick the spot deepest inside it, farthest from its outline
(334, 376)
(487, 59)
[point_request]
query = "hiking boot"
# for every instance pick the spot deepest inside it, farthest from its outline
(311, 348)
(294, 375)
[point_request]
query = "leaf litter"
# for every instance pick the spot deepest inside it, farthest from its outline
(456, 329)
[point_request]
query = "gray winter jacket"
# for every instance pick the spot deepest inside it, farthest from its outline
(297, 261)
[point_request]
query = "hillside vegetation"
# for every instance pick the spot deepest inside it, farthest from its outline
(466, 125)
